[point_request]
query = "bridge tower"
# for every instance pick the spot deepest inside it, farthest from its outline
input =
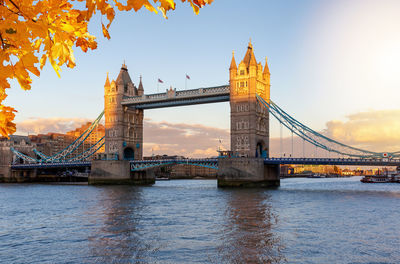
(249, 120)
(124, 126)
(249, 127)
(123, 135)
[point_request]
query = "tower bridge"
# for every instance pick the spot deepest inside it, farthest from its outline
(248, 163)
(124, 106)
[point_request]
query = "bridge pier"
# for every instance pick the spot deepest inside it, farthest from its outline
(247, 172)
(118, 172)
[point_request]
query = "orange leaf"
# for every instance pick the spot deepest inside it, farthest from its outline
(105, 31)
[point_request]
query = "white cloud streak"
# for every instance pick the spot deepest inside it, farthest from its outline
(46, 125)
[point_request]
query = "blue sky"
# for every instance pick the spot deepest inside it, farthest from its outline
(328, 60)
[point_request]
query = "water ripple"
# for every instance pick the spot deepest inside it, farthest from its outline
(304, 221)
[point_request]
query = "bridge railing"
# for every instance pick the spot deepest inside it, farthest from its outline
(138, 165)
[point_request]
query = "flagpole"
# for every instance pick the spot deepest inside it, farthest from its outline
(185, 82)
(158, 84)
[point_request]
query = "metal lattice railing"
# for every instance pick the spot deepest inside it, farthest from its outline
(69, 150)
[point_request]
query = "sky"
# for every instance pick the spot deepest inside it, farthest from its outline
(334, 66)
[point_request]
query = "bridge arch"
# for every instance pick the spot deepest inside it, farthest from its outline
(261, 149)
(129, 154)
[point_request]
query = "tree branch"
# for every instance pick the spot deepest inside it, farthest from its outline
(2, 42)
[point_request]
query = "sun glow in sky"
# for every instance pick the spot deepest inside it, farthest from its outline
(328, 60)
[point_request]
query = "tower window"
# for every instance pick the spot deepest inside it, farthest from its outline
(125, 88)
(241, 72)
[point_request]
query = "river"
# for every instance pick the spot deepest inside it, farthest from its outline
(193, 221)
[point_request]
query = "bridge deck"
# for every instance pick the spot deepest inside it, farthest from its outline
(51, 165)
(334, 161)
(179, 98)
(213, 162)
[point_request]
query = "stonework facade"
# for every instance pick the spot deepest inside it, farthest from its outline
(123, 125)
(249, 119)
(7, 157)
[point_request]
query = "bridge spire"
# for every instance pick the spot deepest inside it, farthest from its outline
(140, 89)
(107, 84)
(249, 59)
(266, 68)
(233, 62)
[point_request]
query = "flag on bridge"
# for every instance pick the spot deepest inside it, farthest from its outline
(160, 81)
(187, 77)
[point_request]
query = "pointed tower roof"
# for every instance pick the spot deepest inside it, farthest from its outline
(140, 84)
(249, 58)
(233, 62)
(266, 68)
(107, 81)
(123, 76)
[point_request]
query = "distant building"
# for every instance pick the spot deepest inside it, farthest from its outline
(348, 172)
(7, 157)
(97, 133)
(53, 143)
(323, 169)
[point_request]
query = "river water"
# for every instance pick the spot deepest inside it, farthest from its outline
(192, 221)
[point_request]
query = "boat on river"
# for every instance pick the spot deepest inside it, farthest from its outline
(383, 177)
(376, 179)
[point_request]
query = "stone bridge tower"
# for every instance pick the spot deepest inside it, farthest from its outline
(249, 120)
(124, 126)
(249, 127)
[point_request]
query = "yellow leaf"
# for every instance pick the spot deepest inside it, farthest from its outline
(7, 115)
(67, 27)
(43, 61)
(38, 43)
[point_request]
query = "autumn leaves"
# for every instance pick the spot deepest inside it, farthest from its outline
(49, 29)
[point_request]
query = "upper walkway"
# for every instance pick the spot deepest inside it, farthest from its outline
(172, 97)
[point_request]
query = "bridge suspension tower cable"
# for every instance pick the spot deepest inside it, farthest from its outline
(66, 155)
(317, 139)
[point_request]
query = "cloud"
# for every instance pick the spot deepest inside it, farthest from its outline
(372, 130)
(46, 125)
(183, 139)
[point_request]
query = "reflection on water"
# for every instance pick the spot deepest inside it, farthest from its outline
(192, 221)
(120, 211)
(248, 235)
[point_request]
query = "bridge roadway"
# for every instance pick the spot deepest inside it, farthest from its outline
(172, 97)
(137, 165)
